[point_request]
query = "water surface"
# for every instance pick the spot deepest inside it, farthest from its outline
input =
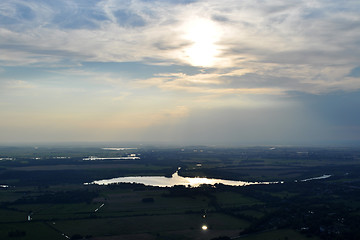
(175, 179)
(317, 178)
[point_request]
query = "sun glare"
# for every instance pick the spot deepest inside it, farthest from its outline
(203, 35)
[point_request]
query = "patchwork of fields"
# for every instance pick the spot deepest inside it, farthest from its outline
(44, 197)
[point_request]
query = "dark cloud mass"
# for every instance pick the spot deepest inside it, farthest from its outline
(338, 108)
(272, 125)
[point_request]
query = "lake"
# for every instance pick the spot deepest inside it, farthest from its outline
(175, 179)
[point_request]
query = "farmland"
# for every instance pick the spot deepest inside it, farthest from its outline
(44, 196)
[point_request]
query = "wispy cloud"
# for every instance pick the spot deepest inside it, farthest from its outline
(15, 84)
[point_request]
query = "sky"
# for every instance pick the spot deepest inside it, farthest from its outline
(249, 72)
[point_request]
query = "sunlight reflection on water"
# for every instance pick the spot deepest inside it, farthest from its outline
(161, 181)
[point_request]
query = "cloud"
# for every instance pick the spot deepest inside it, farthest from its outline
(303, 46)
(15, 85)
(129, 19)
(238, 126)
(11, 14)
(336, 109)
(202, 84)
(121, 96)
(355, 72)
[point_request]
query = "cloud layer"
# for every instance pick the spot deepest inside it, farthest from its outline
(162, 62)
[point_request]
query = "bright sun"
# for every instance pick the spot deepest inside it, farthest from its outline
(203, 35)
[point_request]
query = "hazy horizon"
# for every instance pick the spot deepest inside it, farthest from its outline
(180, 72)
